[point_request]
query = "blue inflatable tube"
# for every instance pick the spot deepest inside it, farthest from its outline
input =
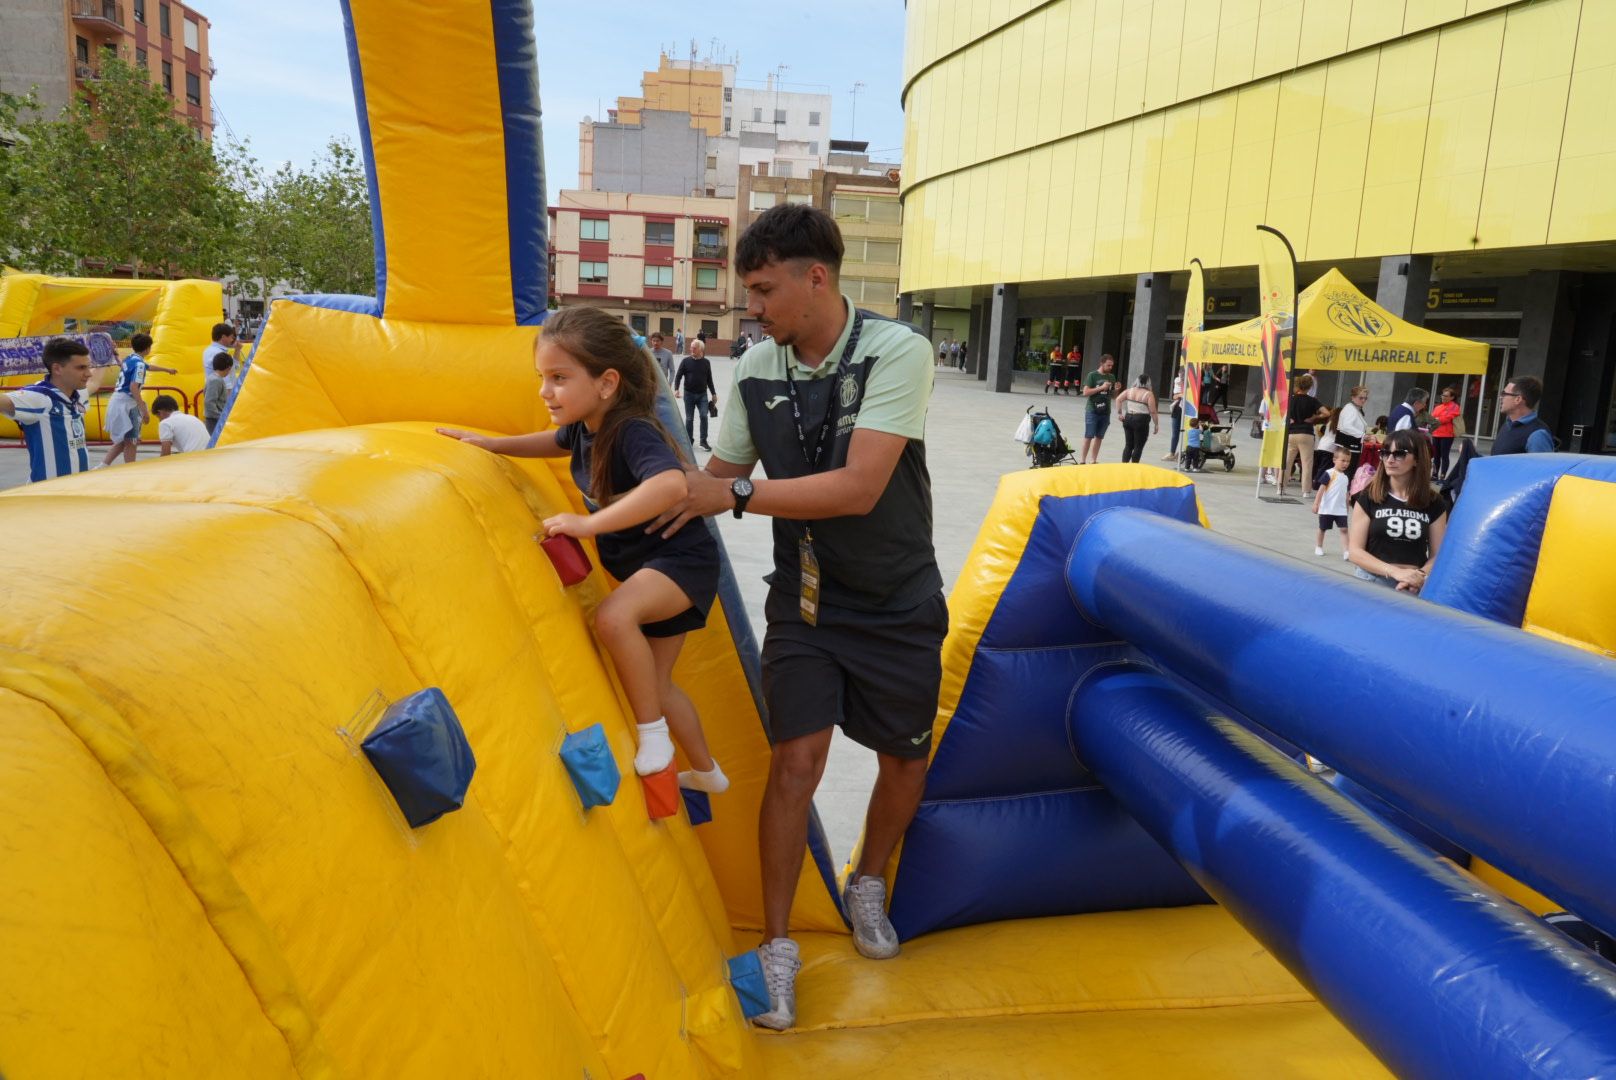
(1497, 739)
(1437, 975)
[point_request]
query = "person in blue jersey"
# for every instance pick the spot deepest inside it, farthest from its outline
(51, 411)
(127, 412)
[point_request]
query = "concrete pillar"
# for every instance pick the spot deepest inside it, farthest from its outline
(1002, 341)
(1545, 343)
(975, 344)
(906, 307)
(928, 314)
(1150, 303)
(1401, 290)
(1104, 332)
(981, 361)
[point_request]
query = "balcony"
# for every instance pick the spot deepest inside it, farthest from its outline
(103, 15)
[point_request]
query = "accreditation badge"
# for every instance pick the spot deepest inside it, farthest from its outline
(808, 598)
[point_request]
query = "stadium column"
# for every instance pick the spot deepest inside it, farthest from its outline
(1150, 303)
(979, 362)
(1401, 289)
(973, 339)
(928, 314)
(906, 307)
(1002, 343)
(1547, 321)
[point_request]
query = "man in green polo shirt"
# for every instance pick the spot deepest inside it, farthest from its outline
(1099, 387)
(833, 405)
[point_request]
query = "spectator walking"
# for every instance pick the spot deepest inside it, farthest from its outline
(127, 412)
(964, 354)
(942, 352)
(1522, 431)
(1330, 500)
(1176, 415)
(1397, 521)
(1351, 425)
(1403, 416)
(678, 343)
(695, 375)
(1138, 404)
(664, 358)
(178, 432)
(1098, 386)
(1305, 411)
(50, 412)
(1220, 387)
(1445, 414)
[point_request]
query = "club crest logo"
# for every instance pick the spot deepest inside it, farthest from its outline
(1326, 352)
(1350, 313)
(847, 391)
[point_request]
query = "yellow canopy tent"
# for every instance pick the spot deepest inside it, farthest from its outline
(1338, 328)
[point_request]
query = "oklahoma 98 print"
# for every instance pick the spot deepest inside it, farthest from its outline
(1398, 533)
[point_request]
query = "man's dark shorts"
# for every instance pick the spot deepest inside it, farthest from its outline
(874, 673)
(1095, 423)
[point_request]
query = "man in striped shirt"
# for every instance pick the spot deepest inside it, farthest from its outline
(51, 411)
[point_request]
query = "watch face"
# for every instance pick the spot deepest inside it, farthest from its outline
(743, 488)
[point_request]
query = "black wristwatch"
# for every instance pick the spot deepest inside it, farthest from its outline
(741, 488)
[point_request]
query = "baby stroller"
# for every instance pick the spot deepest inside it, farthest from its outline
(1045, 443)
(1217, 439)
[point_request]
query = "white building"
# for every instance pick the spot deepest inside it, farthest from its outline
(786, 130)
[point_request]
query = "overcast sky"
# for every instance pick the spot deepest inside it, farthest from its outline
(283, 82)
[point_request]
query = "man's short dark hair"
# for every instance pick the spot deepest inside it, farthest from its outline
(790, 232)
(223, 362)
(222, 330)
(59, 350)
(165, 403)
(1415, 394)
(1530, 387)
(140, 343)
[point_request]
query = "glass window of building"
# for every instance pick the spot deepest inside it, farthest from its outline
(592, 228)
(193, 88)
(168, 78)
(193, 36)
(886, 212)
(782, 168)
(852, 209)
(779, 116)
(729, 93)
(638, 323)
(813, 119)
(81, 49)
(707, 277)
(757, 116)
(163, 24)
(659, 232)
(709, 327)
(709, 237)
(140, 11)
(659, 277)
(799, 200)
(760, 200)
(140, 58)
(592, 273)
(881, 251)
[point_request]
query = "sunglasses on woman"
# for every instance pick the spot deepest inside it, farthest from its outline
(1395, 455)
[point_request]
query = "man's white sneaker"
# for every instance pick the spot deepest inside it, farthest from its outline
(866, 901)
(1318, 551)
(781, 962)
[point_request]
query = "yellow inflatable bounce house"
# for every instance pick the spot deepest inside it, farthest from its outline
(1119, 868)
(179, 315)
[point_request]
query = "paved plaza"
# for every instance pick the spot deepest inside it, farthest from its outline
(969, 446)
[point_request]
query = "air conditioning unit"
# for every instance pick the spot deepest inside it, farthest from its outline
(84, 71)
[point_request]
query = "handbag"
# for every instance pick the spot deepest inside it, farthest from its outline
(712, 406)
(1459, 429)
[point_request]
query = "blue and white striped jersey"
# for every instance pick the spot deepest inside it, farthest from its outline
(132, 372)
(53, 428)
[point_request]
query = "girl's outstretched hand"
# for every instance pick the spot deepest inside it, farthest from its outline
(481, 442)
(578, 525)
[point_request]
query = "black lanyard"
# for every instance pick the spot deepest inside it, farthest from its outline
(812, 456)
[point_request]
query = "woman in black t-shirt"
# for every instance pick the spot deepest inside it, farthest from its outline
(1305, 411)
(1398, 520)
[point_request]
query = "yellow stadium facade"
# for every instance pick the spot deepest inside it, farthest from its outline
(1065, 160)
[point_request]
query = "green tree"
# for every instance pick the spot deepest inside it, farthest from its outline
(119, 182)
(325, 215)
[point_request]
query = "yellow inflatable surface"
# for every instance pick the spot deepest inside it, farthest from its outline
(179, 315)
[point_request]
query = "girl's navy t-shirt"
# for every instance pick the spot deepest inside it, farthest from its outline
(641, 453)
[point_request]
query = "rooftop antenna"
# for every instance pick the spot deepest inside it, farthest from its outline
(853, 117)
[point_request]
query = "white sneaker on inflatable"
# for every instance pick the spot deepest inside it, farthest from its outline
(866, 901)
(781, 962)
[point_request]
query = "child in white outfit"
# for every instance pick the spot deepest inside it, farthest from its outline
(1330, 500)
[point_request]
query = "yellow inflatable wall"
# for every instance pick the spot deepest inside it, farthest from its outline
(181, 315)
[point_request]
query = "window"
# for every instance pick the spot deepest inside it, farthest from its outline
(799, 200)
(813, 148)
(886, 211)
(637, 323)
(193, 36)
(709, 237)
(81, 49)
(851, 209)
(709, 327)
(782, 168)
(140, 11)
(659, 277)
(162, 20)
(729, 95)
(757, 116)
(881, 251)
(666, 326)
(659, 232)
(779, 116)
(706, 277)
(592, 273)
(761, 200)
(712, 161)
(140, 58)
(813, 120)
(726, 123)
(193, 88)
(592, 228)
(168, 78)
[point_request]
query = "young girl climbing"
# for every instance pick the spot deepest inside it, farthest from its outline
(601, 391)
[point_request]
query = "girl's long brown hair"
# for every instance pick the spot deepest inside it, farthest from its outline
(602, 343)
(1420, 492)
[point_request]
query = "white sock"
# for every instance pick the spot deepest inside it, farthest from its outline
(656, 749)
(712, 781)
